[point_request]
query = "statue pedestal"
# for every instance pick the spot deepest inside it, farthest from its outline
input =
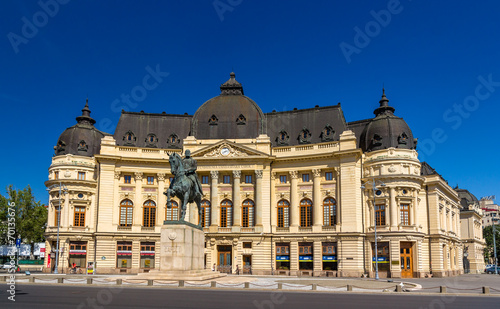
(182, 254)
(182, 247)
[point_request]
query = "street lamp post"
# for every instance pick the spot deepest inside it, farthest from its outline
(374, 188)
(495, 245)
(58, 221)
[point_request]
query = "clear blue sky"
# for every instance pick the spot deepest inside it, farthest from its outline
(439, 62)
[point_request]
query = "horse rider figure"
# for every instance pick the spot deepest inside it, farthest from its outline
(190, 167)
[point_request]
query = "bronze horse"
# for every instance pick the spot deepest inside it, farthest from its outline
(182, 187)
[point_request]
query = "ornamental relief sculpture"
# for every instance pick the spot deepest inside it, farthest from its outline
(225, 150)
(283, 195)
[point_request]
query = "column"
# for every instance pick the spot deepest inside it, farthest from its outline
(317, 202)
(236, 198)
(214, 199)
(294, 199)
(137, 219)
(414, 217)
(393, 208)
(66, 210)
(258, 197)
(273, 211)
(162, 198)
(116, 197)
(294, 257)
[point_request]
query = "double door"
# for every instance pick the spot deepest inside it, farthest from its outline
(224, 259)
(406, 260)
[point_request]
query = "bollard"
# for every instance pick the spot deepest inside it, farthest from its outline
(314, 286)
(213, 284)
(31, 280)
(181, 283)
(398, 288)
(486, 290)
(150, 282)
(60, 280)
(280, 286)
(89, 280)
(118, 281)
(349, 288)
(442, 289)
(247, 285)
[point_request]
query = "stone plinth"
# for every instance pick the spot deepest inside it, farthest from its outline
(182, 254)
(182, 247)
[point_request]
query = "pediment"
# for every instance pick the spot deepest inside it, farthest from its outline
(227, 149)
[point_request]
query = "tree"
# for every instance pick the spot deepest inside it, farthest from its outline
(488, 237)
(30, 216)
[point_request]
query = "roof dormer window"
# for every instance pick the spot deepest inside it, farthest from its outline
(213, 120)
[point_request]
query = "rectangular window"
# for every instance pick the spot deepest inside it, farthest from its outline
(305, 177)
(79, 216)
(56, 175)
(329, 248)
(127, 179)
(81, 175)
(204, 180)
(283, 179)
(124, 254)
(247, 245)
(328, 176)
(226, 179)
(405, 214)
(147, 255)
(248, 179)
(151, 180)
(380, 214)
(57, 214)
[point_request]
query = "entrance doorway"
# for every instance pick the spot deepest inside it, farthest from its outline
(247, 264)
(224, 264)
(406, 260)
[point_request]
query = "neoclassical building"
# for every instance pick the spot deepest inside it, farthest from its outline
(298, 192)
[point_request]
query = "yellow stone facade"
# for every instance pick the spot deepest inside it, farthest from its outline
(307, 209)
(433, 230)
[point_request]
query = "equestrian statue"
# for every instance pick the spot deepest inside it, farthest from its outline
(186, 185)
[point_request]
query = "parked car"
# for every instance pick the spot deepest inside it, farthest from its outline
(6, 266)
(489, 265)
(491, 269)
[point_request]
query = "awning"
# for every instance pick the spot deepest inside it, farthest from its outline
(78, 252)
(305, 258)
(329, 258)
(381, 259)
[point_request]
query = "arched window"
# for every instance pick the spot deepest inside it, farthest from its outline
(149, 218)
(283, 213)
(205, 213)
(126, 207)
(247, 213)
(226, 213)
(329, 212)
(306, 213)
(172, 214)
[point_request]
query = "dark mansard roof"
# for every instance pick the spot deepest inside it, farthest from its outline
(81, 139)
(232, 115)
(386, 130)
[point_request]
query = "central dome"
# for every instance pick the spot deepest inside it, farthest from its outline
(231, 115)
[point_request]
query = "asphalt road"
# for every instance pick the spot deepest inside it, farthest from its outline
(80, 297)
